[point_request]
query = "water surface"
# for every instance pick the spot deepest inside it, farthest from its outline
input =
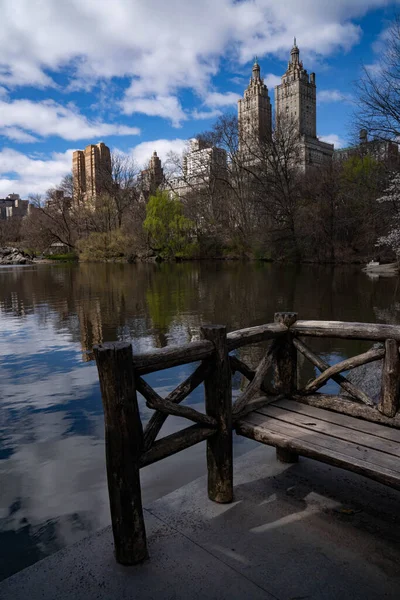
(52, 468)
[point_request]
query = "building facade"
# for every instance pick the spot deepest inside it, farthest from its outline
(151, 178)
(295, 106)
(380, 150)
(13, 206)
(92, 172)
(254, 112)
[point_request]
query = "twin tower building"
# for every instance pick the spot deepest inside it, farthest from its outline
(295, 104)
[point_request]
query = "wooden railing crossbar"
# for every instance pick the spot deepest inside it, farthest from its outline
(344, 365)
(346, 330)
(351, 389)
(156, 402)
(183, 390)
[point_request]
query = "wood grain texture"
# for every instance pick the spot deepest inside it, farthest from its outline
(285, 357)
(174, 443)
(375, 465)
(171, 356)
(255, 385)
(340, 379)
(389, 401)
(342, 329)
(124, 443)
(346, 407)
(218, 399)
(254, 335)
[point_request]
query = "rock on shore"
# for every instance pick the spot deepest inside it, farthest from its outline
(14, 256)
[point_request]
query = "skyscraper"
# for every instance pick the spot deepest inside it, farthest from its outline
(254, 112)
(295, 103)
(92, 172)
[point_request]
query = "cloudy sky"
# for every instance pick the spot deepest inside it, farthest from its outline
(144, 75)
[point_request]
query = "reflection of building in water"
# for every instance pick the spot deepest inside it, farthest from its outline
(90, 325)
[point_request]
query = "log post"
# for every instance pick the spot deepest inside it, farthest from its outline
(218, 399)
(124, 443)
(285, 370)
(389, 400)
(285, 356)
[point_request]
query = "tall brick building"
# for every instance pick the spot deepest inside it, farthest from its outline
(92, 172)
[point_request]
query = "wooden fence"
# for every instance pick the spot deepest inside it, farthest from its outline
(129, 447)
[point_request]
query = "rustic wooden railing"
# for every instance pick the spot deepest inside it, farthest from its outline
(129, 447)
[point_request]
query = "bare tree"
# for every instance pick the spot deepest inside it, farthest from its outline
(379, 90)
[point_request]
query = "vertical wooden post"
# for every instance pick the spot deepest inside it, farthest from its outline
(218, 396)
(285, 371)
(285, 360)
(389, 400)
(124, 443)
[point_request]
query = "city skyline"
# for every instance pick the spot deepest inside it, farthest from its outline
(63, 93)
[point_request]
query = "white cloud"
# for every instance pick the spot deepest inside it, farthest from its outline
(26, 175)
(205, 114)
(272, 80)
(334, 96)
(167, 107)
(19, 119)
(217, 99)
(162, 46)
(334, 139)
(142, 152)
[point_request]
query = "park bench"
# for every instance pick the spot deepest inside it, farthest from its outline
(350, 431)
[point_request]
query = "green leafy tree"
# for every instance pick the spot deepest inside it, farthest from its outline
(169, 231)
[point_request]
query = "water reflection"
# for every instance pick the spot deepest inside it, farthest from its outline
(52, 471)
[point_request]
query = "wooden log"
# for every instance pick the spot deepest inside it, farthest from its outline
(347, 407)
(257, 403)
(344, 365)
(157, 420)
(238, 365)
(285, 356)
(286, 456)
(156, 402)
(340, 379)
(255, 385)
(254, 335)
(124, 443)
(171, 356)
(389, 400)
(350, 331)
(218, 397)
(175, 442)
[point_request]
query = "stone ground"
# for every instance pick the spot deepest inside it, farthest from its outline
(294, 532)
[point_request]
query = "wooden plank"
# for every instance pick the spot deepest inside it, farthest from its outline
(340, 379)
(344, 365)
(157, 420)
(156, 402)
(218, 398)
(174, 443)
(254, 335)
(346, 407)
(386, 433)
(338, 431)
(256, 403)
(172, 356)
(311, 450)
(389, 400)
(327, 442)
(346, 330)
(124, 443)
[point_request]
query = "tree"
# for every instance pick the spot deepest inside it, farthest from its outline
(379, 90)
(391, 201)
(168, 229)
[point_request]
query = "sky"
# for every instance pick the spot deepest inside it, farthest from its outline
(144, 75)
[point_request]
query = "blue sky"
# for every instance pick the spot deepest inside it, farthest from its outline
(144, 75)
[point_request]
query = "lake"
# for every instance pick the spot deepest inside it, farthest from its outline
(52, 465)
